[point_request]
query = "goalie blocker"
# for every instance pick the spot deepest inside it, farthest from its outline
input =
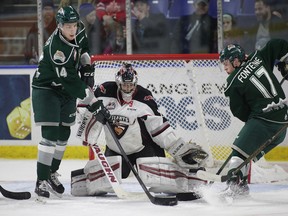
(160, 174)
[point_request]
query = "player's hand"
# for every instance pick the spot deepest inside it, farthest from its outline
(87, 74)
(99, 111)
(283, 68)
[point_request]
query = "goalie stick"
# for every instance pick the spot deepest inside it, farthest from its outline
(157, 200)
(15, 195)
(107, 169)
(283, 79)
(223, 178)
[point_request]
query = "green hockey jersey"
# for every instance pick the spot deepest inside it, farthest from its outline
(59, 62)
(253, 89)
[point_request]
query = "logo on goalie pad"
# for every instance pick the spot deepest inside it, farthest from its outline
(105, 164)
(82, 126)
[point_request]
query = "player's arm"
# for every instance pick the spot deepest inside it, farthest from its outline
(188, 155)
(276, 53)
(238, 107)
(70, 80)
(86, 69)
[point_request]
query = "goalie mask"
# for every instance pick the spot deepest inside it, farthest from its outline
(232, 51)
(126, 80)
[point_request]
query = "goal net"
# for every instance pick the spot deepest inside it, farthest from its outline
(189, 90)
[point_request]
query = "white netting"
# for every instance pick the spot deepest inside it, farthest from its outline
(264, 172)
(190, 95)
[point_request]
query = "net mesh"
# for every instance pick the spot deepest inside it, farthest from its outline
(190, 94)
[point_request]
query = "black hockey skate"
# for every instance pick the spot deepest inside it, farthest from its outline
(55, 183)
(42, 189)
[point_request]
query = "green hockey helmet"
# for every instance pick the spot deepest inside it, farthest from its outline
(231, 52)
(67, 14)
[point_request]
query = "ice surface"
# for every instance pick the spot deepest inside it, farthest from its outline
(20, 175)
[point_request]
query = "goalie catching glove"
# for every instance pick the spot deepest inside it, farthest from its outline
(283, 68)
(187, 155)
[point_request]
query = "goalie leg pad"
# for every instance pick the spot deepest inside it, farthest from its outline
(97, 183)
(164, 176)
(78, 183)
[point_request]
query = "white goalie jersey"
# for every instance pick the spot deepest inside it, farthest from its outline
(138, 122)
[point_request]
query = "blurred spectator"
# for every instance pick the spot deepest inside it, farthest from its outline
(93, 27)
(270, 25)
(108, 11)
(64, 3)
(49, 25)
(115, 40)
(196, 33)
(231, 34)
(280, 8)
(150, 32)
(113, 17)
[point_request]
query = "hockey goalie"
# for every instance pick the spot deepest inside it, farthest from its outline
(145, 135)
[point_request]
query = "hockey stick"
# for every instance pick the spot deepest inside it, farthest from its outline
(163, 200)
(223, 178)
(229, 157)
(118, 189)
(15, 195)
(222, 167)
(283, 79)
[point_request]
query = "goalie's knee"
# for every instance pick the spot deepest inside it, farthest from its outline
(92, 179)
(162, 175)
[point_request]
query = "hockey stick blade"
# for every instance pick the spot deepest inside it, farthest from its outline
(201, 174)
(162, 200)
(15, 195)
(189, 196)
(157, 200)
(223, 178)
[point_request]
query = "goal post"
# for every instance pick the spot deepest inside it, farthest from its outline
(189, 92)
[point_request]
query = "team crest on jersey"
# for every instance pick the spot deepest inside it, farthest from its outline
(102, 89)
(120, 125)
(59, 55)
(120, 130)
(111, 106)
(148, 97)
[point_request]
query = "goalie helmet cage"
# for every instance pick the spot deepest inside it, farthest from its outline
(189, 90)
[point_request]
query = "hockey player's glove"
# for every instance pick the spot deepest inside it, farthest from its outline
(87, 74)
(283, 68)
(187, 155)
(99, 111)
